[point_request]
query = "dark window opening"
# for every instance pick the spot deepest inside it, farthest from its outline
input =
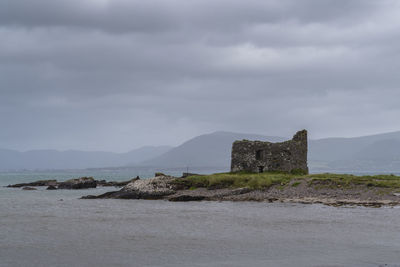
(259, 154)
(260, 169)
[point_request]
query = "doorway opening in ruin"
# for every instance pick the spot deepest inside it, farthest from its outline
(260, 169)
(259, 155)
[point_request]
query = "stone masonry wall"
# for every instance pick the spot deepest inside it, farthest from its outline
(258, 156)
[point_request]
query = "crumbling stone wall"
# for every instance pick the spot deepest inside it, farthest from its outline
(258, 156)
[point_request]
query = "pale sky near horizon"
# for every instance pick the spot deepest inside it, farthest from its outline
(115, 75)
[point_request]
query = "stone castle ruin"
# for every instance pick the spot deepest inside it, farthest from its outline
(258, 156)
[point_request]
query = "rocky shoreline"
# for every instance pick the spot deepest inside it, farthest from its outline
(298, 190)
(78, 183)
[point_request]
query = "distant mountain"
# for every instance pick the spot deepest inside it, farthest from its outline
(375, 153)
(143, 153)
(208, 150)
(74, 159)
(347, 148)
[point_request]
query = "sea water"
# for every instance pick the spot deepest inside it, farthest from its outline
(56, 228)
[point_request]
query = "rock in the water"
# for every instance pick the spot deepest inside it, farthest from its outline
(37, 183)
(153, 188)
(80, 183)
(51, 187)
(186, 198)
(28, 188)
(114, 194)
(156, 187)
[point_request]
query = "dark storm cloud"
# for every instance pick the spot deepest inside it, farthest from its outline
(158, 15)
(102, 74)
(115, 16)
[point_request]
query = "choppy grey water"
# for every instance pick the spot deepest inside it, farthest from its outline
(38, 229)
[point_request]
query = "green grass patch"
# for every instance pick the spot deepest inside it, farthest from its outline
(267, 179)
(236, 180)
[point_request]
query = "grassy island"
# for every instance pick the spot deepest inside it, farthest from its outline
(268, 179)
(326, 188)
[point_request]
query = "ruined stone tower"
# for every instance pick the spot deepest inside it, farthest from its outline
(258, 156)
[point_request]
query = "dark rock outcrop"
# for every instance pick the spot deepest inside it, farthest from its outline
(185, 198)
(126, 195)
(36, 183)
(113, 194)
(80, 183)
(28, 188)
(51, 187)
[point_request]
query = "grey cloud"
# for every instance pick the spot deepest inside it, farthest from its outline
(118, 16)
(113, 75)
(158, 15)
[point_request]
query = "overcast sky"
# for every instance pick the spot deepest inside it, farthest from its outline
(118, 74)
